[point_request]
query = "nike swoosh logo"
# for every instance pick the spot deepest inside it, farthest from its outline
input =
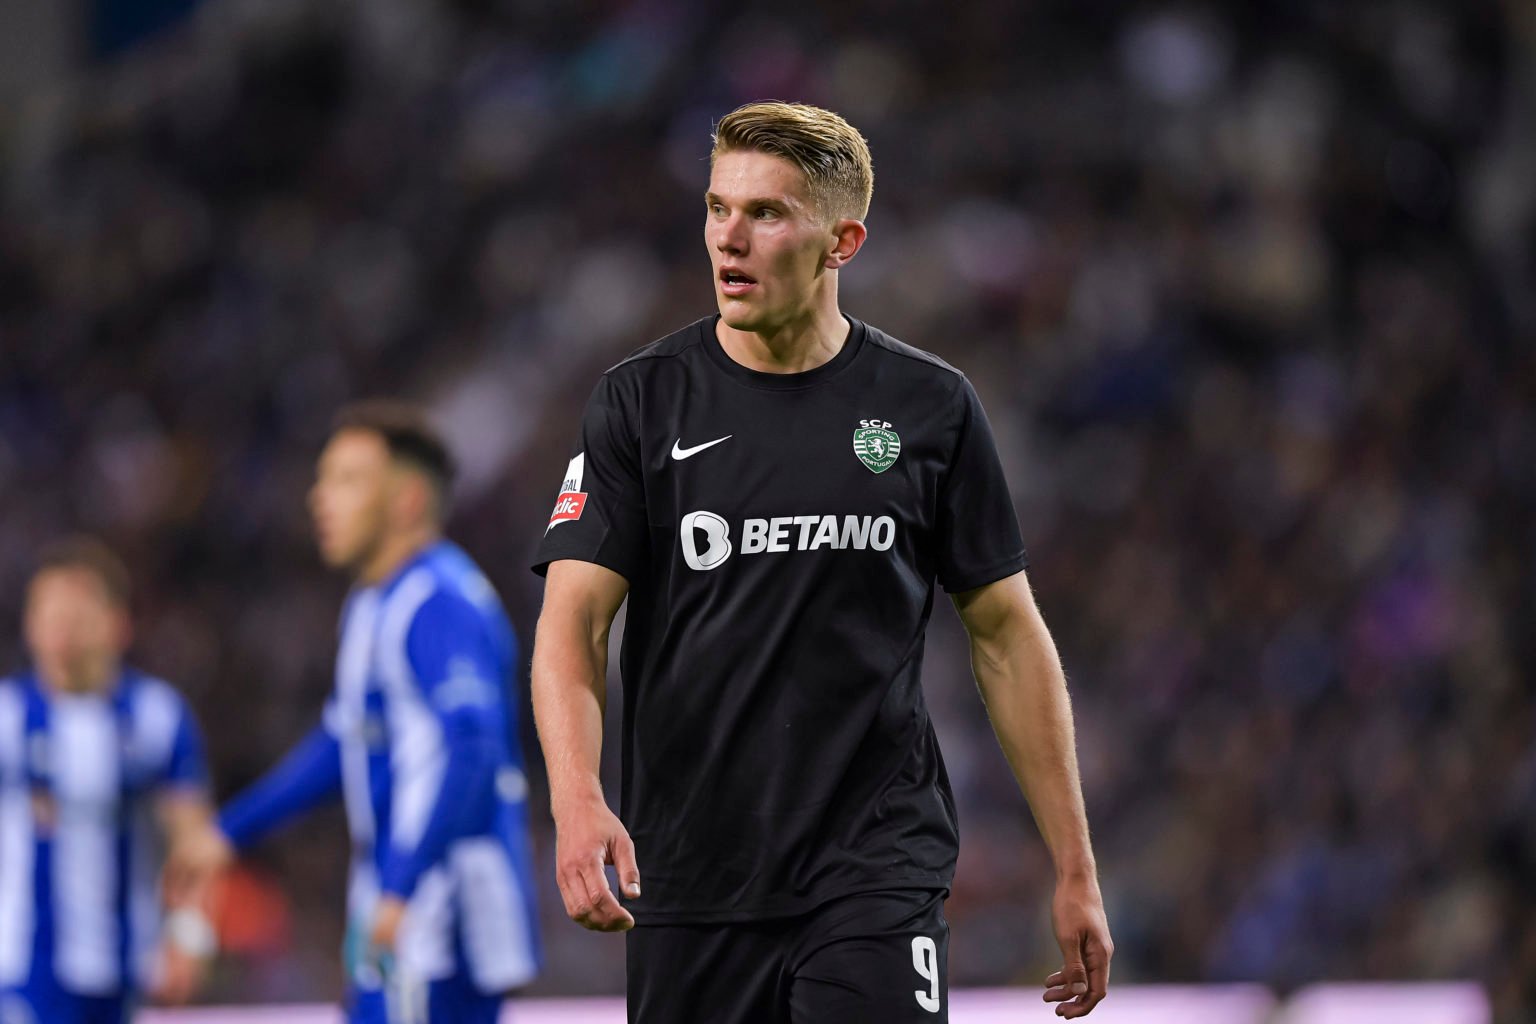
(680, 453)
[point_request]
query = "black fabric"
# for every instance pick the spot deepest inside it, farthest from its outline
(871, 957)
(777, 751)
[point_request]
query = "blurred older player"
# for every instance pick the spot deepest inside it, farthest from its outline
(95, 758)
(418, 737)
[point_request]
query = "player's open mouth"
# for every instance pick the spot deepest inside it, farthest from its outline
(733, 282)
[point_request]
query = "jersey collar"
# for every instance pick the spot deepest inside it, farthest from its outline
(781, 381)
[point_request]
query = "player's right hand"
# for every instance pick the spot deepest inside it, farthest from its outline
(589, 836)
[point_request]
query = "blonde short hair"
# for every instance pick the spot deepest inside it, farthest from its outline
(829, 151)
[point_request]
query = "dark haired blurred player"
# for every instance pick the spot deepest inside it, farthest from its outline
(418, 738)
(95, 758)
(776, 489)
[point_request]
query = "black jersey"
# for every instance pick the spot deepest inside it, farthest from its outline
(781, 534)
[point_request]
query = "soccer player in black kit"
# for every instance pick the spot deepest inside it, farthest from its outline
(776, 489)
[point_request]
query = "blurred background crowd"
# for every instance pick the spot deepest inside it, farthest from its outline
(1247, 290)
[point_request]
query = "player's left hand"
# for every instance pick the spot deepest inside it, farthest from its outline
(386, 923)
(1082, 932)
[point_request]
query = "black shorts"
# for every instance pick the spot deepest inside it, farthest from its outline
(876, 957)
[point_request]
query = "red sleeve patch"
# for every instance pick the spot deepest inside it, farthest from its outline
(568, 506)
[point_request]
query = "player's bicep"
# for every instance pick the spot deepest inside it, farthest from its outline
(585, 593)
(454, 662)
(995, 611)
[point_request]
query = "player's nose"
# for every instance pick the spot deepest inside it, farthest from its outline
(728, 237)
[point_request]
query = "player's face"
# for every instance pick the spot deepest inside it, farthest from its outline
(767, 241)
(75, 631)
(350, 498)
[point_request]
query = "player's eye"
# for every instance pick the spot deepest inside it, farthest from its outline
(765, 213)
(717, 209)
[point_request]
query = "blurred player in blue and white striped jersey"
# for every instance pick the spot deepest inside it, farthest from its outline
(419, 738)
(98, 764)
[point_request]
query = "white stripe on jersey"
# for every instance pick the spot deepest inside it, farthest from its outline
(352, 668)
(87, 787)
(15, 842)
(417, 755)
(17, 917)
(496, 940)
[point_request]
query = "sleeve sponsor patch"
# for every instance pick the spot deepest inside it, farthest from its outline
(568, 507)
(572, 498)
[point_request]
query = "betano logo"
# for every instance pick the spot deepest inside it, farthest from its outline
(706, 537)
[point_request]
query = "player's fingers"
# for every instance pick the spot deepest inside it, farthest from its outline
(1075, 974)
(623, 853)
(602, 911)
(574, 892)
(1097, 952)
(571, 893)
(1058, 992)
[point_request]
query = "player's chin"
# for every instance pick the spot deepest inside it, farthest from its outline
(739, 314)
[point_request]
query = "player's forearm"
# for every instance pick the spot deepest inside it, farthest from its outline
(1020, 677)
(309, 775)
(570, 667)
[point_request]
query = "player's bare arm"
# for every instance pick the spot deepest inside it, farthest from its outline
(1020, 677)
(185, 814)
(570, 669)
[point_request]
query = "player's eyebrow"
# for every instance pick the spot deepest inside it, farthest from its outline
(779, 202)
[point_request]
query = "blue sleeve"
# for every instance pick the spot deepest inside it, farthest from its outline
(309, 775)
(187, 766)
(454, 659)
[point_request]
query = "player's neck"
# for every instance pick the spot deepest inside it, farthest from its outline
(794, 347)
(96, 678)
(393, 552)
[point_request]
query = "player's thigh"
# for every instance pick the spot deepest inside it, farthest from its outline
(723, 974)
(874, 957)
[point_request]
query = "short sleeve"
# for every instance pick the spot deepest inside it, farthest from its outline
(451, 654)
(599, 515)
(979, 539)
(187, 765)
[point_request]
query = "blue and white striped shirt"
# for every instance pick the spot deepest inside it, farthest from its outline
(79, 842)
(421, 740)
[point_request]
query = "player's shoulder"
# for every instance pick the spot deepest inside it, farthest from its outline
(12, 697)
(683, 343)
(449, 588)
(931, 374)
(910, 357)
(153, 699)
(146, 686)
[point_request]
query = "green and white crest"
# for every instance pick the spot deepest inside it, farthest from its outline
(876, 445)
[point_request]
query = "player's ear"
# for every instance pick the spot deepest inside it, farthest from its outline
(847, 239)
(405, 497)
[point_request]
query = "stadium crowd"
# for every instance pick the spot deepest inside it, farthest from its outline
(1246, 289)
